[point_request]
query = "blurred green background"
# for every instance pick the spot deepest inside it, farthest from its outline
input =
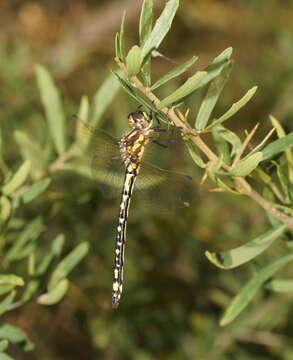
(173, 297)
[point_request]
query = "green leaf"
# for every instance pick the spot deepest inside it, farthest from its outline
(83, 111)
(246, 165)
(121, 37)
(196, 156)
(53, 108)
(15, 335)
(235, 107)
(5, 288)
(55, 295)
(145, 28)
(11, 279)
(178, 70)
(235, 257)
(216, 66)
(4, 304)
(133, 61)
(4, 356)
(190, 85)
(32, 151)
(223, 148)
(161, 28)
(67, 264)
(281, 133)
(102, 98)
(136, 94)
(5, 208)
(212, 96)
(228, 136)
(145, 21)
(35, 190)
(19, 248)
(117, 46)
(3, 165)
(280, 285)
(17, 179)
(277, 146)
(43, 267)
(242, 299)
(119, 40)
(3, 345)
(225, 186)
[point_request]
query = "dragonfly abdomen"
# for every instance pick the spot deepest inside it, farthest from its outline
(129, 181)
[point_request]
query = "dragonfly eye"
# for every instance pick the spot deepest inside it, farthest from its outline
(139, 118)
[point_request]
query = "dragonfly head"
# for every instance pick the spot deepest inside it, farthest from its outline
(140, 120)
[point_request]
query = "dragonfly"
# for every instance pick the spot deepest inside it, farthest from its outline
(112, 158)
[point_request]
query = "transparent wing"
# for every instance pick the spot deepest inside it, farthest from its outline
(95, 141)
(109, 174)
(163, 189)
(154, 186)
(103, 152)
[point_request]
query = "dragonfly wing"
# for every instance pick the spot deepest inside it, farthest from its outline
(109, 174)
(106, 164)
(163, 189)
(93, 141)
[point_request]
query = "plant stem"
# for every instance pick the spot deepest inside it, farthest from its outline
(240, 183)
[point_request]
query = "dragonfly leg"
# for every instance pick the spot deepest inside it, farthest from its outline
(160, 144)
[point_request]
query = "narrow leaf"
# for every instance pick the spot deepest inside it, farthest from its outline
(4, 304)
(67, 264)
(3, 345)
(225, 186)
(178, 70)
(212, 97)
(245, 166)
(242, 299)
(15, 335)
(43, 267)
(133, 61)
(5, 208)
(5, 288)
(4, 356)
(136, 94)
(161, 28)
(117, 46)
(102, 98)
(228, 136)
(121, 38)
(196, 156)
(83, 111)
(31, 150)
(11, 279)
(235, 107)
(19, 248)
(190, 85)
(278, 146)
(235, 257)
(145, 21)
(280, 285)
(35, 190)
(55, 295)
(53, 107)
(217, 65)
(17, 179)
(281, 133)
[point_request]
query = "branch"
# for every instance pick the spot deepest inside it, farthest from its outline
(241, 184)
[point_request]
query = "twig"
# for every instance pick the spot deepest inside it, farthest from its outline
(244, 146)
(240, 183)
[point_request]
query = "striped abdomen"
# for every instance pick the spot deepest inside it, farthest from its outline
(130, 177)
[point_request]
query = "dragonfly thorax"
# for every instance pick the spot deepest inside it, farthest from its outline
(132, 146)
